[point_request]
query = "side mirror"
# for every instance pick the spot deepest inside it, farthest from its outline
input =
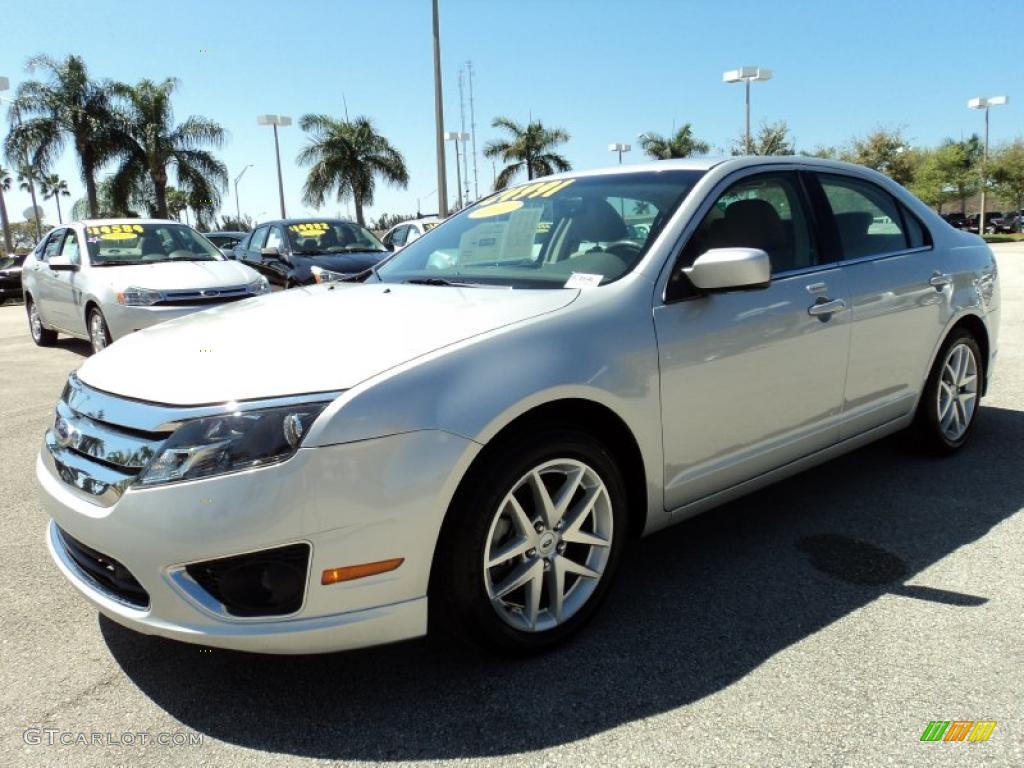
(272, 251)
(62, 264)
(730, 269)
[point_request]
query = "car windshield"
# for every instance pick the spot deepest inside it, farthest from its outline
(321, 237)
(570, 232)
(120, 244)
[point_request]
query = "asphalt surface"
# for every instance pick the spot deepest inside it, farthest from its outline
(824, 621)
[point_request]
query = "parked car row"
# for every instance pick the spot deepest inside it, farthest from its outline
(996, 222)
(10, 276)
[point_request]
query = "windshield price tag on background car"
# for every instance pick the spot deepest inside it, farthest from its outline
(583, 280)
(310, 228)
(115, 231)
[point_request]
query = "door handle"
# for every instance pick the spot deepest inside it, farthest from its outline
(940, 280)
(824, 308)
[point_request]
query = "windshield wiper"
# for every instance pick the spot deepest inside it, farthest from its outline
(120, 263)
(443, 282)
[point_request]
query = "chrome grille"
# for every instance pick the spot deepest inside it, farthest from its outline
(200, 296)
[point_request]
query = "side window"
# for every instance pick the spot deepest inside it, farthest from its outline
(917, 235)
(399, 236)
(411, 234)
(69, 249)
(867, 217)
(765, 211)
(275, 240)
(259, 237)
(53, 245)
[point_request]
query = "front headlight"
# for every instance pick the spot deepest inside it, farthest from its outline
(322, 275)
(138, 297)
(258, 286)
(231, 442)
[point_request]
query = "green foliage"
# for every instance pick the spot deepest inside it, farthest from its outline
(234, 224)
(770, 139)
(23, 234)
(529, 148)
(346, 157)
(884, 150)
(1006, 172)
(682, 144)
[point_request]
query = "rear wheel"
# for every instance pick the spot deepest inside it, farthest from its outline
(99, 335)
(41, 335)
(949, 405)
(531, 544)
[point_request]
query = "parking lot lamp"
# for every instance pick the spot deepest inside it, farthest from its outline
(983, 103)
(442, 169)
(620, 148)
(457, 136)
(275, 121)
(8, 242)
(747, 75)
(238, 208)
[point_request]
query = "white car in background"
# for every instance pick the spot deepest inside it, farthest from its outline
(407, 232)
(101, 279)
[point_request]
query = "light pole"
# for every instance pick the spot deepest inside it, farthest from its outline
(620, 148)
(427, 196)
(442, 182)
(457, 136)
(983, 103)
(8, 242)
(283, 121)
(238, 208)
(5, 84)
(747, 75)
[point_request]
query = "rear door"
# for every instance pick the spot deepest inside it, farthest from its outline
(753, 379)
(252, 252)
(900, 293)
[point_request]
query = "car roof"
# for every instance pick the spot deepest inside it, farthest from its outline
(308, 220)
(98, 222)
(706, 164)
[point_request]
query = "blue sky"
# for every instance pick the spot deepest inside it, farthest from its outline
(604, 71)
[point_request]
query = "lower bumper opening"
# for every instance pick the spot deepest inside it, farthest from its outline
(271, 582)
(103, 571)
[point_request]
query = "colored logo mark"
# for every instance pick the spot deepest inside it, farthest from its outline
(958, 730)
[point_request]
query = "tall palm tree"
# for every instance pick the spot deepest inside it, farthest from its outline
(27, 181)
(682, 144)
(68, 107)
(5, 186)
(529, 148)
(149, 143)
(54, 186)
(346, 158)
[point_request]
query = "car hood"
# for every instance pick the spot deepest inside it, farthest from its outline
(175, 275)
(303, 340)
(343, 262)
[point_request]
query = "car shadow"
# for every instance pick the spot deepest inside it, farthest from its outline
(78, 346)
(696, 608)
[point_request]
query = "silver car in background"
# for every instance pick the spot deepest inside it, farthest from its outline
(101, 279)
(549, 372)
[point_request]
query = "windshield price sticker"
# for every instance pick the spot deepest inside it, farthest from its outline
(310, 228)
(512, 199)
(116, 231)
(583, 280)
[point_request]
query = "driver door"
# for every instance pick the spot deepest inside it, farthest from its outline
(66, 298)
(750, 379)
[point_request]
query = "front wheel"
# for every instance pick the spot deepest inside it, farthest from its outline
(949, 404)
(531, 545)
(99, 335)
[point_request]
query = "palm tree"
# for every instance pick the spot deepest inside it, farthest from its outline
(69, 107)
(771, 139)
(682, 144)
(177, 201)
(27, 181)
(347, 156)
(5, 186)
(54, 186)
(529, 149)
(149, 143)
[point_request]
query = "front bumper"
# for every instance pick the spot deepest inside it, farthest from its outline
(122, 320)
(353, 503)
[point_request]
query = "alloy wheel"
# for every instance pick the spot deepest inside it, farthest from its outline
(957, 395)
(548, 545)
(97, 332)
(35, 324)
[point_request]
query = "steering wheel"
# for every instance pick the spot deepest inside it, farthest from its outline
(626, 249)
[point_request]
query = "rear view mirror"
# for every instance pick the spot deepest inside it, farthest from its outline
(271, 251)
(730, 269)
(62, 264)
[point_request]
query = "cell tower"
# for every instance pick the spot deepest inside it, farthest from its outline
(465, 155)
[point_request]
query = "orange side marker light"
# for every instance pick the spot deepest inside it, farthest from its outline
(352, 572)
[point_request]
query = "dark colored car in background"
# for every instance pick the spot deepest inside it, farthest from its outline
(226, 240)
(292, 252)
(992, 219)
(10, 277)
(955, 220)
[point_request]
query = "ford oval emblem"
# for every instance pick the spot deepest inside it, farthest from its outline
(209, 294)
(64, 432)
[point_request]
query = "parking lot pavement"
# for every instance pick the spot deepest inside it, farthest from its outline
(824, 621)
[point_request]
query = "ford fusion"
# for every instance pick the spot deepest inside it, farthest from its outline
(467, 436)
(101, 279)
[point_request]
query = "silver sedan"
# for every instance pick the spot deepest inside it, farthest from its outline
(469, 437)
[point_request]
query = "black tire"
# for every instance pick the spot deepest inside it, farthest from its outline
(459, 602)
(95, 316)
(927, 430)
(41, 335)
